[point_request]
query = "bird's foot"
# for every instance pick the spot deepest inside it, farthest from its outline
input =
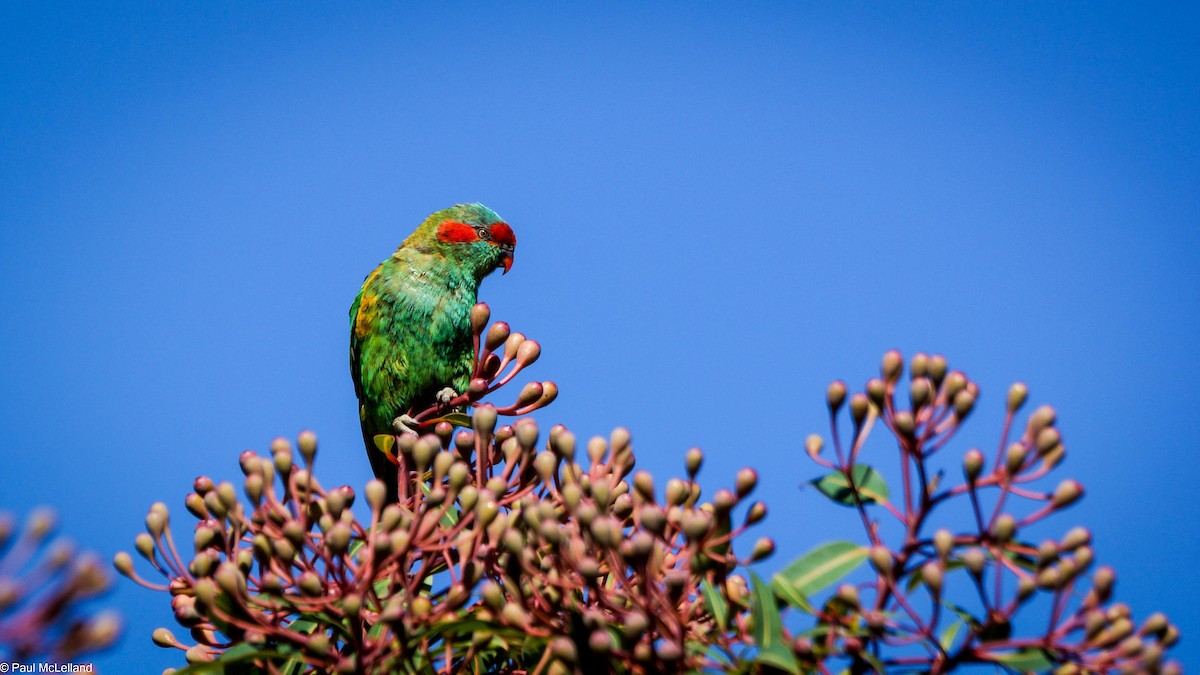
(446, 395)
(405, 424)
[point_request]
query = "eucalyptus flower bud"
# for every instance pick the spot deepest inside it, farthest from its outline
(813, 445)
(338, 538)
(859, 405)
(1015, 458)
(1050, 578)
(892, 366)
(528, 352)
(253, 487)
(310, 584)
(974, 560)
(964, 402)
(848, 594)
(1042, 417)
(653, 518)
(306, 442)
(1077, 537)
(480, 313)
(496, 335)
(1068, 492)
(376, 492)
(194, 504)
(1017, 393)
(1004, 528)
(144, 544)
(920, 365)
(163, 638)
(1025, 588)
(835, 395)
(1156, 625)
(937, 368)
(745, 482)
(756, 512)
(1102, 582)
(124, 563)
(484, 419)
(154, 525)
(763, 548)
(423, 451)
(881, 559)
(943, 542)
(955, 383)
(932, 576)
(563, 445)
(677, 492)
(919, 392)
(282, 461)
(876, 392)
(972, 464)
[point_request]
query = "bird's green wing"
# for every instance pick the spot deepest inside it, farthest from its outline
(356, 347)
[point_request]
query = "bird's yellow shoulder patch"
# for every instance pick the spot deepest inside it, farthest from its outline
(366, 313)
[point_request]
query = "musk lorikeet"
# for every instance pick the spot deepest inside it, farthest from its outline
(410, 329)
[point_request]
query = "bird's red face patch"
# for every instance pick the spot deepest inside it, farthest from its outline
(455, 232)
(502, 234)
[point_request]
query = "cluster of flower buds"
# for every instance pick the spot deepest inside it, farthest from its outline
(43, 583)
(592, 561)
(499, 355)
(957, 594)
(495, 550)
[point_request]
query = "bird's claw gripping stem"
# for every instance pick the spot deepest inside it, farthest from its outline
(446, 395)
(406, 424)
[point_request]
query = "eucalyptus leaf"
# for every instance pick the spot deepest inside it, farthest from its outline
(869, 483)
(716, 604)
(768, 628)
(818, 569)
(1028, 660)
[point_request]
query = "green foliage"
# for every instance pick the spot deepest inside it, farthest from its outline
(865, 485)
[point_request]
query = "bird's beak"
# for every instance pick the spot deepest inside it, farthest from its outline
(506, 262)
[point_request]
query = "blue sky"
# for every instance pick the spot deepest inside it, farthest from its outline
(719, 210)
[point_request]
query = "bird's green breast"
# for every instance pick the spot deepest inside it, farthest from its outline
(410, 334)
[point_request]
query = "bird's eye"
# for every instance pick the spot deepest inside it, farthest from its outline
(483, 233)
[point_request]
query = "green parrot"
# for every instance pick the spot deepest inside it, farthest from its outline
(410, 328)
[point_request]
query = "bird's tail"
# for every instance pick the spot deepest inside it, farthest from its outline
(383, 467)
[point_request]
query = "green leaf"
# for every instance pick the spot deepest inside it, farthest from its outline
(450, 517)
(871, 486)
(715, 603)
(456, 418)
(380, 587)
(791, 595)
(1021, 560)
(304, 625)
(963, 614)
(768, 628)
(355, 546)
(240, 654)
(1028, 660)
(874, 662)
(819, 568)
(384, 443)
(949, 635)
